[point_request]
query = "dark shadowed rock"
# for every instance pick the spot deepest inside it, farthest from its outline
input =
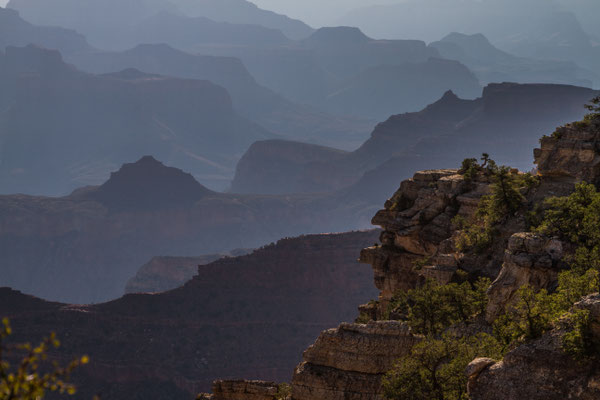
(149, 184)
(165, 273)
(248, 316)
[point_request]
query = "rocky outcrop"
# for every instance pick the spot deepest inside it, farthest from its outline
(570, 155)
(244, 390)
(417, 226)
(348, 362)
(540, 370)
(530, 260)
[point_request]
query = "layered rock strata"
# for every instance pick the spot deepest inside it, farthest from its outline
(572, 152)
(349, 361)
(244, 390)
(418, 241)
(417, 226)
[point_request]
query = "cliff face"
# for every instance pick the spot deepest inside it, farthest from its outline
(248, 316)
(505, 121)
(348, 362)
(540, 370)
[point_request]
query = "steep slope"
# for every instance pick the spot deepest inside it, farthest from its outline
(276, 166)
(527, 28)
(86, 246)
(345, 51)
(250, 99)
(193, 32)
(338, 68)
(62, 128)
(165, 273)
(14, 31)
(406, 87)
(104, 23)
(244, 12)
(243, 316)
(491, 64)
(419, 226)
(505, 122)
(107, 24)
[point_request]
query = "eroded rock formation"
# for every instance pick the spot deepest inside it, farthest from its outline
(244, 390)
(350, 361)
(539, 370)
(530, 259)
(417, 225)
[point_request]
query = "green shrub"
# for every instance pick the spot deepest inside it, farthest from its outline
(579, 341)
(432, 308)
(576, 220)
(536, 312)
(284, 391)
(506, 199)
(435, 367)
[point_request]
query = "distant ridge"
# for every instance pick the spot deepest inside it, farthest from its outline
(149, 184)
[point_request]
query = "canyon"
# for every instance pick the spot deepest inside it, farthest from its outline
(246, 316)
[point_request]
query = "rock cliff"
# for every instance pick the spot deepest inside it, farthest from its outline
(348, 362)
(539, 370)
(244, 390)
(419, 241)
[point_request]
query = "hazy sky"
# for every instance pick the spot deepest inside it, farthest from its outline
(313, 12)
(317, 12)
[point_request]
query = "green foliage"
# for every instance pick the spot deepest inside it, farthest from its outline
(594, 108)
(579, 341)
(25, 381)
(284, 391)
(434, 368)
(421, 262)
(469, 168)
(528, 319)
(572, 286)
(505, 199)
(432, 308)
(576, 219)
(536, 312)
(362, 318)
(590, 119)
